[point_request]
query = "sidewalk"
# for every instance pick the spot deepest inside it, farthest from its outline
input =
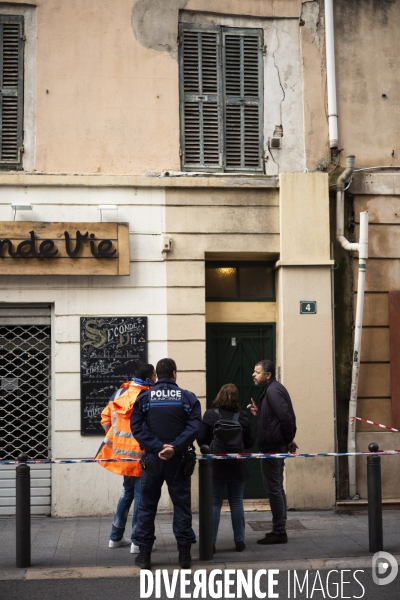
(78, 547)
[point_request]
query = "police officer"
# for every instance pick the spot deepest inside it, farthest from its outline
(165, 421)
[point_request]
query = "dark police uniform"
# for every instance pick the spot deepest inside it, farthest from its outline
(166, 414)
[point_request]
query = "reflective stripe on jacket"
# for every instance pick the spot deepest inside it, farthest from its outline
(119, 442)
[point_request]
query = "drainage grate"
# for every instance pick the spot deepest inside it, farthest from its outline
(24, 391)
(291, 525)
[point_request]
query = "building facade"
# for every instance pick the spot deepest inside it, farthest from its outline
(191, 143)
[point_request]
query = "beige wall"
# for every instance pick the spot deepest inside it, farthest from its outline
(367, 47)
(103, 85)
(305, 341)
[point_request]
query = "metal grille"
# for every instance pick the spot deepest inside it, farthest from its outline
(25, 391)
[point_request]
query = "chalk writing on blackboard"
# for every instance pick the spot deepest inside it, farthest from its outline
(111, 347)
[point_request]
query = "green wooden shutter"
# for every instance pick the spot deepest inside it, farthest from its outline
(11, 89)
(243, 99)
(200, 97)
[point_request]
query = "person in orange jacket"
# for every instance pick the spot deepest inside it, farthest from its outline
(119, 443)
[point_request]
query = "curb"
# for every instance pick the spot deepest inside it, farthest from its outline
(313, 564)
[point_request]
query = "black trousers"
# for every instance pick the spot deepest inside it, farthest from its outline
(272, 473)
(154, 474)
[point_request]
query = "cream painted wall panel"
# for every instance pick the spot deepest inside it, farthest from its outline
(67, 328)
(146, 248)
(150, 273)
(194, 381)
(376, 309)
(89, 490)
(181, 301)
(304, 217)
(215, 197)
(69, 444)
(305, 358)
(185, 273)
(67, 386)
(85, 490)
(189, 356)
(183, 327)
(193, 247)
(157, 350)
(67, 416)
(83, 213)
(142, 274)
(90, 302)
(222, 219)
(87, 196)
(240, 312)
(67, 358)
(310, 486)
(381, 209)
(375, 345)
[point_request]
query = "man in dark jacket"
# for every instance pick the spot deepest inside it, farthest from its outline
(276, 431)
(165, 421)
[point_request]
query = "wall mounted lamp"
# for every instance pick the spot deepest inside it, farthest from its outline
(102, 207)
(20, 206)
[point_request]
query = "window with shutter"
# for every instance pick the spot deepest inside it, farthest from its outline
(11, 89)
(221, 95)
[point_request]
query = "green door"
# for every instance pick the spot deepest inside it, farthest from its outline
(232, 350)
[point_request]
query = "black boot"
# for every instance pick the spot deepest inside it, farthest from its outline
(185, 559)
(143, 560)
(274, 538)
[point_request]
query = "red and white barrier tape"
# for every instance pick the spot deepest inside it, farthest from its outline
(243, 455)
(374, 423)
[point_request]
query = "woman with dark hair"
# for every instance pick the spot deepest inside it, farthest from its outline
(230, 473)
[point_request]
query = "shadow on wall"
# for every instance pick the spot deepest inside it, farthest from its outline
(155, 25)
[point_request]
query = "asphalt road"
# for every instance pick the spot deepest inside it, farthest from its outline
(319, 586)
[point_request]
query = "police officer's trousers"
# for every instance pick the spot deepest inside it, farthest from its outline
(154, 474)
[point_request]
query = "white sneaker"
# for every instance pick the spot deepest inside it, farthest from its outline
(135, 549)
(123, 542)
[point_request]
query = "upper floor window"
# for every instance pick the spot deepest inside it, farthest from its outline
(11, 90)
(221, 98)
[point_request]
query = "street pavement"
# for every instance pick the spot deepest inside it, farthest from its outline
(73, 554)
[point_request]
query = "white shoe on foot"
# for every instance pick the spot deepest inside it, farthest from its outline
(122, 542)
(135, 549)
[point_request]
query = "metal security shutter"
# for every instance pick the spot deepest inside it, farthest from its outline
(243, 94)
(25, 402)
(11, 89)
(200, 68)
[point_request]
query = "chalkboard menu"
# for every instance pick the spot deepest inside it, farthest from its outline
(111, 347)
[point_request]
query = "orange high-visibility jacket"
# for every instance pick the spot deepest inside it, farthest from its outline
(119, 442)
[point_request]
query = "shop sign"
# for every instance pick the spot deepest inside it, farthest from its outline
(31, 248)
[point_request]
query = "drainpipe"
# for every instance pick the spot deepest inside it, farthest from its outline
(362, 249)
(331, 75)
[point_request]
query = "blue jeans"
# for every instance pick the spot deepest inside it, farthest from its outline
(130, 493)
(235, 499)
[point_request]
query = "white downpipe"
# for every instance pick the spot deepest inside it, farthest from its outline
(362, 248)
(362, 265)
(331, 75)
